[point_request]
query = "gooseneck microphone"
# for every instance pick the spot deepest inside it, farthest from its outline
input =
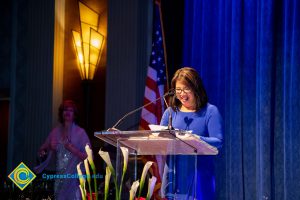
(170, 127)
(170, 92)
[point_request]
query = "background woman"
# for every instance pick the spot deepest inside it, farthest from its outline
(66, 146)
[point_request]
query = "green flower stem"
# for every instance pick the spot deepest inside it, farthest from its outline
(90, 189)
(95, 181)
(120, 191)
(117, 188)
(82, 193)
(88, 176)
(89, 153)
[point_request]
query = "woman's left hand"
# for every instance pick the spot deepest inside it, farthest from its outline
(68, 145)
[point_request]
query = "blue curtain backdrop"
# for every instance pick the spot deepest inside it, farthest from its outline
(248, 54)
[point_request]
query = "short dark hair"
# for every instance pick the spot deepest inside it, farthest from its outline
(67, 104)
(190, 77)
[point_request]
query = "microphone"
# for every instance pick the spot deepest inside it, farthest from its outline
(170, 116)
(170, 92)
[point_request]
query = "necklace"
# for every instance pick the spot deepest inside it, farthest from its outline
(66, 133)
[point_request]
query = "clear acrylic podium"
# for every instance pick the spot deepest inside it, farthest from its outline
(158, 143)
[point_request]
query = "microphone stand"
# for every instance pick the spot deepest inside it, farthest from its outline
(170, 92)
(170, 127)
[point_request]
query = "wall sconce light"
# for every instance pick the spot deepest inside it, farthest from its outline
(88, 43)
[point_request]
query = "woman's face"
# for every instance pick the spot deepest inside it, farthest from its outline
(186, 96)
(68, 114)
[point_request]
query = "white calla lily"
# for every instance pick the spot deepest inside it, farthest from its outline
(88, 176)
(105, 156)
(107, 180)
(80, 175)
(81, 180)
(151, 186)
(133, 189)
(144, 173)
(82, 193)
(125, 156)
(125, 163)
(89, 153)
(87, 170)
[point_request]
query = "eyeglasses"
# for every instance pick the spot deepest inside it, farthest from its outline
(185, 90)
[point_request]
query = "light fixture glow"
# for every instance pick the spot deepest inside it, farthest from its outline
(88, 43)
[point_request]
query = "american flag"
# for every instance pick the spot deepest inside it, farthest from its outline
(156, 85)
(156, 81)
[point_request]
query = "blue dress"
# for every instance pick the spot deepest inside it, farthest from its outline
(207, 123)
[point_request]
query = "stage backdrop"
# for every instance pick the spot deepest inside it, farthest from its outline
(248, 53)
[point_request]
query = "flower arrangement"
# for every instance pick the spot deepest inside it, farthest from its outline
(110, 171)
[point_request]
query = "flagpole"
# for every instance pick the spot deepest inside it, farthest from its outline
(158, 2)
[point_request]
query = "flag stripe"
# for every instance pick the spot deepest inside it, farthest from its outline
(149, 116)
(149, 94)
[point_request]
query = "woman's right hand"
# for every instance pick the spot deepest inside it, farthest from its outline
(53, 144)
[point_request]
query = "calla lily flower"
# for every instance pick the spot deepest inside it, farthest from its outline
(144, 173)
(80, 175)
(125, 156)
(107, 180)
(89, 153)
(88, 175)
(82, 193)
(87, 170)
(105, 156)
(81, 179)
(133, 189)
(151, 186)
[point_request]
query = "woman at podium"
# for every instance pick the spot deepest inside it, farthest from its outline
(190, 110)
